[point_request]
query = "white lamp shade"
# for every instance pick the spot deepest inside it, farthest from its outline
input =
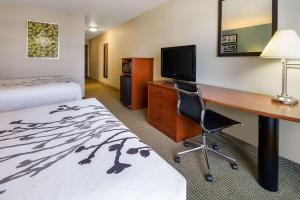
(284, 44)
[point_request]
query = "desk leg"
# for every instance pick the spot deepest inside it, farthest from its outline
(268, 154)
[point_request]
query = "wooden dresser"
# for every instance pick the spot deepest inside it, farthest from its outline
(162, 112)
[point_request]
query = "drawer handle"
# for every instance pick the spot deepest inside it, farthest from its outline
(160, 92)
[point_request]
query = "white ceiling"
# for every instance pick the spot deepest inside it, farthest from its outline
(245, 13)
(101, 13)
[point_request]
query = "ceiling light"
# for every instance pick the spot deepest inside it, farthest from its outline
(93, 29)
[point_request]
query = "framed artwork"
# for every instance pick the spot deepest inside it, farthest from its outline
(229, 48)
(42, 40)
(229, 38)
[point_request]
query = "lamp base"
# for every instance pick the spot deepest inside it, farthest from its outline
(288, 100)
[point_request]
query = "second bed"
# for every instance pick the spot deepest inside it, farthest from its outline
(16, 94)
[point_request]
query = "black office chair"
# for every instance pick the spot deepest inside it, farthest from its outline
(191, 105)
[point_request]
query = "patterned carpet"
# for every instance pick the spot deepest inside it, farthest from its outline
(227, 184)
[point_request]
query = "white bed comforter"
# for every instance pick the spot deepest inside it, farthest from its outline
(16, 94)
(79, 151)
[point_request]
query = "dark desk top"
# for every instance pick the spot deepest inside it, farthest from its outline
(245, 101)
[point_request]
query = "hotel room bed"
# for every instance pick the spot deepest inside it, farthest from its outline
(16, 94)
(79, 151)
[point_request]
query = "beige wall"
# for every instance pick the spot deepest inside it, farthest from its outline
(13, 61)
(183, 22)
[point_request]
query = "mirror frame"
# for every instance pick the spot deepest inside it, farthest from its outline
(274, 29)
(105, 60)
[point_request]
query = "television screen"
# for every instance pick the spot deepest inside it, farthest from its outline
(179, 62)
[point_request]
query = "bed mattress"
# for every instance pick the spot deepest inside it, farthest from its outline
(16, 94)
(79, 151)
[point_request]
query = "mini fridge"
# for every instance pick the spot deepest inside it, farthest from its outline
(125, 90)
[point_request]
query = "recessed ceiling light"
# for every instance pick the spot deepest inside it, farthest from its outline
(93, 29)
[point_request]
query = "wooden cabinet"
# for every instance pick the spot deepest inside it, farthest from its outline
(141, 71)
(162, 112)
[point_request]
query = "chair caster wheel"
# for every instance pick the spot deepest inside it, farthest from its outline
(215, 147)
(186, 144)
(209, 178)
(177, 159)
(234, 166)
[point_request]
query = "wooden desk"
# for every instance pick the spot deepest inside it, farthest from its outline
(269, 114)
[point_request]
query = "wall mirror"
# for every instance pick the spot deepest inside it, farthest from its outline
(105, 60)
(246, 26)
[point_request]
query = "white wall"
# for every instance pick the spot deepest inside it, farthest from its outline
(13, 61)
(183, 22)
(256, 12)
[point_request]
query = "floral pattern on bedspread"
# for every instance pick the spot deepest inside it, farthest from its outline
(73, 129)
(34, 81)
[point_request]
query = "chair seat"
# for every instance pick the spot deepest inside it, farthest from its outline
(214, 121)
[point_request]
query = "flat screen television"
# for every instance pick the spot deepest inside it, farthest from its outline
(179, 62)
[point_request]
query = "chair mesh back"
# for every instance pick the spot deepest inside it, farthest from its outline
(189, 105)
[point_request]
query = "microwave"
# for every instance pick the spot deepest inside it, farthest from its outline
(126, 67)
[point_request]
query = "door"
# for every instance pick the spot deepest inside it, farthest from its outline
(86, 60)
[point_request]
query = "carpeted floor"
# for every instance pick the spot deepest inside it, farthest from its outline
(227, 184)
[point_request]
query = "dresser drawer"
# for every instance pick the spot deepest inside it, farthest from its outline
(161, 92)
(166, 120)
(168, 132)
(163, 105)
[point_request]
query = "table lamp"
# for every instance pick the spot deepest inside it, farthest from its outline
(284, 45)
